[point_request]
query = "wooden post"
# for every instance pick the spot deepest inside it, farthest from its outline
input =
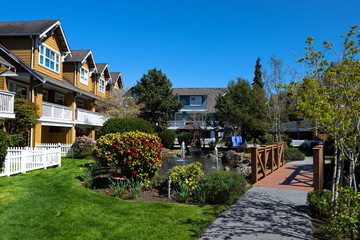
(318, 158)
(254, 165)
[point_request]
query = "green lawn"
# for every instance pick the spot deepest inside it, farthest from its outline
(52, 204)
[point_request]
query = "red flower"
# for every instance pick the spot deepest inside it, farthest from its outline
(128, 161)
(134, 172)
(133, 148)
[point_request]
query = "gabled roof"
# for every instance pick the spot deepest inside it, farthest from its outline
(39, 28)
(6, 63)
(210, 93)
(116, 78)
(12, 56)
(198, 91)
(80, 56)
(101, 67)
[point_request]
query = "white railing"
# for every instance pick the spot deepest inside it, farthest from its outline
(86, 117)
(182, 123)
(56, 112)
(7, 103)
(65, 148)
(21, 160)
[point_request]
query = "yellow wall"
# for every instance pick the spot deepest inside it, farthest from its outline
(90, 86)
(102, 95)
(20, 46)
(54, 137)
(54, 44)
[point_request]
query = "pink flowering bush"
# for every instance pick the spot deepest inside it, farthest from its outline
(83, 146)
(136, 154)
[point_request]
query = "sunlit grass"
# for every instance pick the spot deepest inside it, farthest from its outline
(52, 204)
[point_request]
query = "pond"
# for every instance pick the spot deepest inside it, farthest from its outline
(209, 164)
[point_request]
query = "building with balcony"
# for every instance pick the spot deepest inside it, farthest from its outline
(199, 108)
(36, 59)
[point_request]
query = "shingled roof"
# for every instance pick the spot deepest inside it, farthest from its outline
(77, 55)
(101, 67)
(38, 28)
(115, 77)
(24, 28)
(210, 93)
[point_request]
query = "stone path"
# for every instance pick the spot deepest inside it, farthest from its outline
(272, 209)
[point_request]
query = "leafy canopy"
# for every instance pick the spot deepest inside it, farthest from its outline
(155, 93)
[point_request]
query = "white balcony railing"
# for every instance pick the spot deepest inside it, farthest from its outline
(176, 124)
(56, 112)
(86, 117)
(7, 104)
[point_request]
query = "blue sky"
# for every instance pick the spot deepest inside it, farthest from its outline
(202, 43)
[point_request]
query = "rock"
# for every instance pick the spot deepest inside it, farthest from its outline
(246, 161)
(231, 157)
(239, 165)
(226, 168)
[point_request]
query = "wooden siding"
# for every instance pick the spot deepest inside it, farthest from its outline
(98, 93)
(3, 84)
(69, 71)
(20, 46)
(54, 44)
(90, 86)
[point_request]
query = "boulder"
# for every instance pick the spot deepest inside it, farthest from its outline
(231, 157)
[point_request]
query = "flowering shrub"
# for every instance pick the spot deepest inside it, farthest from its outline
(136, 154)
(83, 146)
(189, 174)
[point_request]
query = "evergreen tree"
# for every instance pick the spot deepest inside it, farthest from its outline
(258, 74)
(155, 93)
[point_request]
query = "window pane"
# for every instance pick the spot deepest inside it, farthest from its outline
(52, 65)
(47, 62)
(41, 60)
(48, 52)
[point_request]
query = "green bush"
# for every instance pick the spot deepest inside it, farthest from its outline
(189, 174)
(292, 154)
(343, 222)
(317, 203)
(15, 140)
(167, 138)
(184, 137)
(223, 187)
(3, 148)
(121, 125)
(136, 154)
(83, 146)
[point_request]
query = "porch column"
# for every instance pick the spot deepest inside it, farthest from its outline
(70, 135)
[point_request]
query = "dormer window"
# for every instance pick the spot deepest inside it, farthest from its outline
(84, 76)
(195, 100)
(101, 85)
(49, 58)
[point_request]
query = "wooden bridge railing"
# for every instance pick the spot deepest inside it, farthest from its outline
(268, 158)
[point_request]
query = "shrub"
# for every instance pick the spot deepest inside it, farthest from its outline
(189, 174)
(83, 146)
(15, 140)
(223, 187)
(167, 138)
(3, 148)
(136, 154)
(182, 192)
(293, 155)
(344, 219)
(121, 125)
(184, 137)
(317, 203)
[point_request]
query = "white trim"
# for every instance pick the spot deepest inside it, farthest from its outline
(44, 58)
(82, 81)
(102, 86)
(197, 97)
(21, 85)
(61, 96)
(13, 74)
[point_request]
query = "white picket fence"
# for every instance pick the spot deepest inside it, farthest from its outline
(21, 160)
(65, 148)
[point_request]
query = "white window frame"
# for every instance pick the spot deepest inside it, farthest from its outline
(83, 80)
(80, 103)
(59, 96)
(54, 58)
(45, 96)
(16, 86)
(196, 102)
(101, 85)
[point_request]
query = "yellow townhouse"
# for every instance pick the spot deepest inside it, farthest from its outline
(35, 57)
